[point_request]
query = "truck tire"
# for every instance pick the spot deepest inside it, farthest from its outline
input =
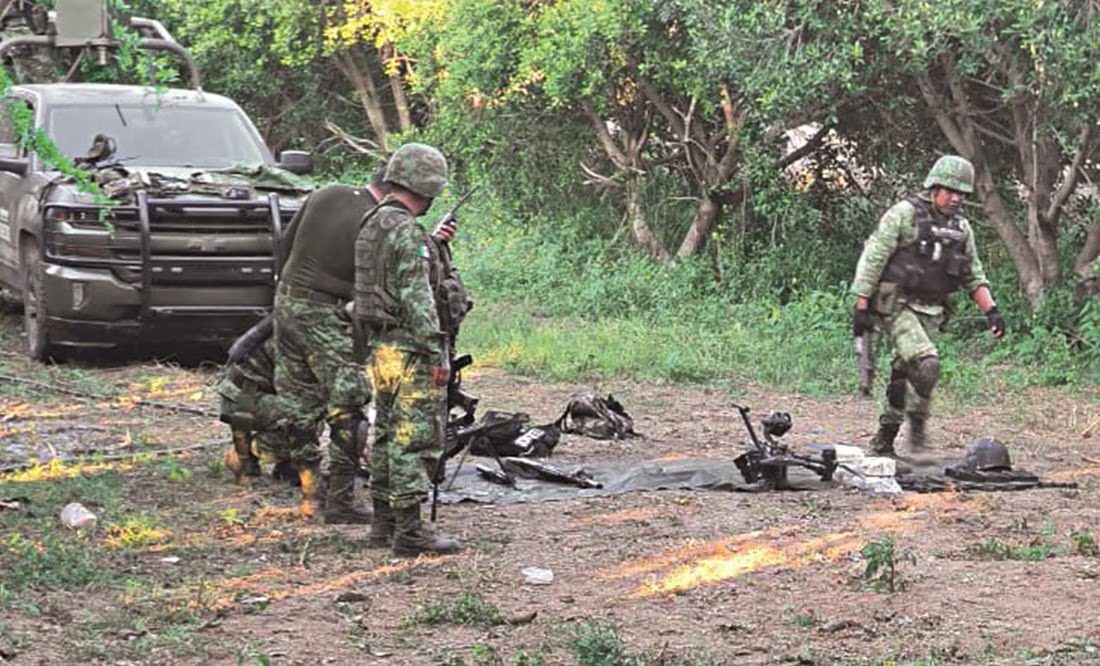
(36, 326)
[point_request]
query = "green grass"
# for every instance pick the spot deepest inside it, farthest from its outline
(598, 644)
(468, 608)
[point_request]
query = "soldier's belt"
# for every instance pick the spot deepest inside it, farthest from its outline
(309, 295)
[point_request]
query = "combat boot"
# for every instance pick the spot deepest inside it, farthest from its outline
(411, 537)
(344, 454)
(882, 444)
(285, 471)
(309, 473)
(916, 433)
(382, 525)
(240, 460)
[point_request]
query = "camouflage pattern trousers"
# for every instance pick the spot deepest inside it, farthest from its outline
(910, 334)
(316, 377)
(410, 415)
(259, 413)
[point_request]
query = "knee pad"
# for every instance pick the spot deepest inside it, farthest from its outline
(924, 374)
(895, 388)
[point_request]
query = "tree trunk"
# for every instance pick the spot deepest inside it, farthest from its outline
(643, 236)
(1023, 256)
(358, 73)
(1091, 249)
(706, 214)
(397, 88)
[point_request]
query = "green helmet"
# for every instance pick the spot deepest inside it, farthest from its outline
(988, 455)
(952, 172)
(419, 168)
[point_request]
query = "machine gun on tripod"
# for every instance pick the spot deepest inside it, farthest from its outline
(769, 459)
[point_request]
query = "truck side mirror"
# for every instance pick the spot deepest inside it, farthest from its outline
(16, 165)
(295, 161)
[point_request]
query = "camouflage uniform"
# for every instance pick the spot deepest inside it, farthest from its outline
(398, 318)
(907, 305)
(249, 406)
(316, 375)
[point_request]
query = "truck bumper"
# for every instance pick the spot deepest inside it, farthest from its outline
(92, 307)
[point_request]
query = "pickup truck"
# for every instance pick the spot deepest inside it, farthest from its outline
(175, 241)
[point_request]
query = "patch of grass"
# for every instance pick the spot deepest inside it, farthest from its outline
(598, 644)
(469, 608)
(1040, 547)
(51, 561)
(995, 549)
(1084, 542)
(253, 654)
(805, 620)
(175, 469)
(135, 532)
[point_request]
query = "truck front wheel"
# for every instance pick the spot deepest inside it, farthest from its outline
(36, 325)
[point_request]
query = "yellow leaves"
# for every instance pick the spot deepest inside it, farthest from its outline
(134, 533)
(381, 22)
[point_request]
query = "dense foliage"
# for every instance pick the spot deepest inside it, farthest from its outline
(699, 168)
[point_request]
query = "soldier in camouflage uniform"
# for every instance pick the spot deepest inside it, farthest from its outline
(922, 252)
(407, 356)
(316, 376)
(249, 406)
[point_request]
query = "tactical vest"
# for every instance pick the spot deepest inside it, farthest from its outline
(374, 305)
(932, 267)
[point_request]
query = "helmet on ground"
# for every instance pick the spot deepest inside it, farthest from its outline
(419, 168)
(989, 455)
(952, 172)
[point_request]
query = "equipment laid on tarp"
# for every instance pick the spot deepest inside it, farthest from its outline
(767, 461)
(986, 465)
(599, 418)
(533, 469)
(617, 477)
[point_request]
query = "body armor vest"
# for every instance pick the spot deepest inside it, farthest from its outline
(931, 268)
(374, 305)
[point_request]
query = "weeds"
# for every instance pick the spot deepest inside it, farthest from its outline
(469, 608)
(52, 562)
(1084, 542)
(882, 558)
(597, 644)
(1039, 547)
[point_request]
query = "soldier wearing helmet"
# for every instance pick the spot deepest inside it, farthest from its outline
(405, 348)
(919, 256)
(317, 378)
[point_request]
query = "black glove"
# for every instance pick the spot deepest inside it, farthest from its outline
(861, 322)
(996, 321)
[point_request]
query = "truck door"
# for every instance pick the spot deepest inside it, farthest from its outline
(9, 188)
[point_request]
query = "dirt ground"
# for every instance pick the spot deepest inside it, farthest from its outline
(186, 568)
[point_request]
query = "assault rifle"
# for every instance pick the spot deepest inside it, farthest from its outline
(768, 460)
(866, 364)
(461, 430)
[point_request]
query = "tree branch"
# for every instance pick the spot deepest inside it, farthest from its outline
(1069, 181)
(604, 136)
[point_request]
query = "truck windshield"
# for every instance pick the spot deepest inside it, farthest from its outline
(169, 135)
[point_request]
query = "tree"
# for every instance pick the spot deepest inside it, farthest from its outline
(1014, 87)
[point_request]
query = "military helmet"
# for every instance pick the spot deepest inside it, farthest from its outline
(419, 168)
(989, 455)
(953, 172)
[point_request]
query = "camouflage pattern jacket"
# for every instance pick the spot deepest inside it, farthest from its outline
(394, 296)
(898, 229)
